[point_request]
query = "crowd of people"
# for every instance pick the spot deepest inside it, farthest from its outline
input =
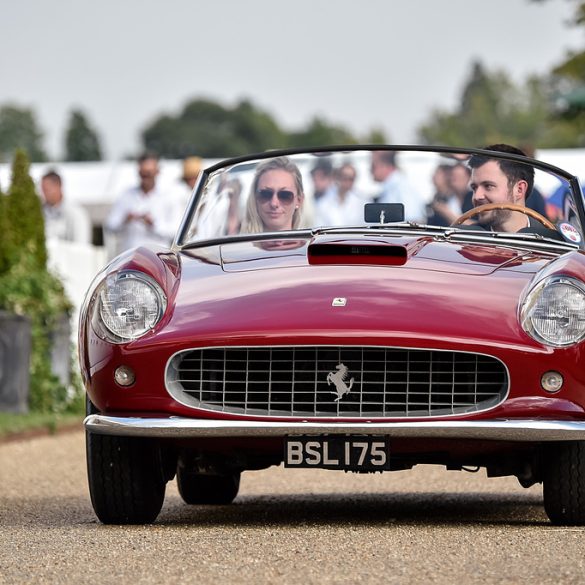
(277, 198)
(145, 214)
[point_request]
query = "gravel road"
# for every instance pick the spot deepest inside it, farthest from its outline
(427, 525)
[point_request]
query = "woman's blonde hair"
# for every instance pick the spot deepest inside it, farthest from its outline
(252, 223)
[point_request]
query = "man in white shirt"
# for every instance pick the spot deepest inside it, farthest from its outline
(322, 178)
(143, 215)
(341, 206)
(64, 220)
(395, 187)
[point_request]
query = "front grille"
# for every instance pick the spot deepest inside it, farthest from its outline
(305, 381)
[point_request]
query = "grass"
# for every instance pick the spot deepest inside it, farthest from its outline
(23, 424)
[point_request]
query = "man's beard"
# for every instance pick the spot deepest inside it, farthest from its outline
(498, 217)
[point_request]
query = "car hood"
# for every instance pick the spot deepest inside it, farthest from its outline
(413, 253)
(267, 293)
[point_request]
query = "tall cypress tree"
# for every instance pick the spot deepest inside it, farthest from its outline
(25, 214)
(26, 286)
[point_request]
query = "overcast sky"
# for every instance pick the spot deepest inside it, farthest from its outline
(361, 63)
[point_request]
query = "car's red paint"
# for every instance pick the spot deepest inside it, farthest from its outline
(445, 296)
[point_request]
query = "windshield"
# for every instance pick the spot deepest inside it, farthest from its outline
(486, 191)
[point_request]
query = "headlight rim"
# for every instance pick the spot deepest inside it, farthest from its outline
(101, 328)
(532, 297)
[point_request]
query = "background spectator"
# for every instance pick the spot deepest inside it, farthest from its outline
(460, 177)
(143, 215)
(395, 186)
(341, 205)
(64, 220)
(322, 176)
(192, 167)
(445, 207)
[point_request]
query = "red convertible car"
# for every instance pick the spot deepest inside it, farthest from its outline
(352, 308)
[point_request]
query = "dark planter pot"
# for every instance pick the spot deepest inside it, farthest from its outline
(15, 352)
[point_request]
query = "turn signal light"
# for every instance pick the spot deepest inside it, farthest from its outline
(124, 376)
(552, 381)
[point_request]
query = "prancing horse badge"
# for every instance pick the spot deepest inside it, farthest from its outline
(339, 379)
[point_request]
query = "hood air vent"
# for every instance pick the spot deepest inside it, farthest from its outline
(370, 253)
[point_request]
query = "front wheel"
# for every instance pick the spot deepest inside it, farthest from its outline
(563, 482)
(196, 488)
(126, 479)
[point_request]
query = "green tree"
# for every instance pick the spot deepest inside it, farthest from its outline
(376, 136)
(81, 140)
(567, 82)
(19, 129)
(257, 128)
(25, 215)
(493, 109)
(570, 82)
(319, 132)
(209, 129)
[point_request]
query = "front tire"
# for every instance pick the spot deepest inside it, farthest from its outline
(126, 480)
(564, 483)
(196, 488)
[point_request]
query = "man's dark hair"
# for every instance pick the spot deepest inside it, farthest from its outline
(514, 171)
(323, 165)
(387, 156)
(148, 155)
(53, 175)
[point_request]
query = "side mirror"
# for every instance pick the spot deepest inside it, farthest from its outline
(383, 212)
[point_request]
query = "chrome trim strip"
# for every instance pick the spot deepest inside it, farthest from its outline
(494, 430)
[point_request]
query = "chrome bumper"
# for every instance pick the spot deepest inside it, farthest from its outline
(495, 430)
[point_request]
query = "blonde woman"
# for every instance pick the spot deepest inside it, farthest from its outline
(275, 202)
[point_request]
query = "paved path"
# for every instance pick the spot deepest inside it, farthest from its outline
(300, 527)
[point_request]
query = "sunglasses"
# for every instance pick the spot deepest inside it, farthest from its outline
(266, 195)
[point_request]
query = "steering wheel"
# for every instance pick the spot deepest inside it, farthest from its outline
(511, 206)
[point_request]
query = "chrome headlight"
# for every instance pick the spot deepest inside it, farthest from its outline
(554, 311)
(127, 305)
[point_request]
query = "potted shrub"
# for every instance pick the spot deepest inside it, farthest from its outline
(29, 293)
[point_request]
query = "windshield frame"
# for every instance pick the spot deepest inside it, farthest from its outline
(180, 243)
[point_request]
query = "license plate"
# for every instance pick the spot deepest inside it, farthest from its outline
(350, 453)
